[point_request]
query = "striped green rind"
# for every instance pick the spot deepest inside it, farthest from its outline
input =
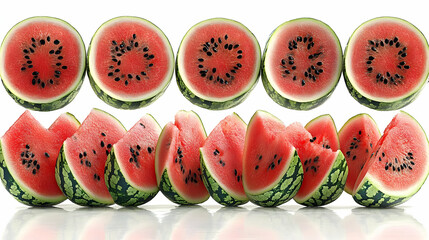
(50, 106)
(70, 187)
(170, 192)
(288, 103)
(120, 103)
(285, 189)
(369, 195)
(18, 192)
(123, 193)
(377, 105)
(331, 187)
(219, 194)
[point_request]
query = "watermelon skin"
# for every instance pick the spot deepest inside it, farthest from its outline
(123, 193)
(171, 193)
(67, 97)
(369, 195)
(332, 187)
(219, 194)
(70, 187)
(285, 189)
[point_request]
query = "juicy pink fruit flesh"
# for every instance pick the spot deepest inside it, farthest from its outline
(187, 132)
(401, 137)
(28, 131)
(95, 139)
(225, 143)
(358, 138)
(323, 128)
(142, 137)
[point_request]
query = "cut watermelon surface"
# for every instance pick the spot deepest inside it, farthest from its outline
(218, 63)
(80, 167)
(130, 62)
(28, 154)
(386, 63)
(177, 159)
(397, 167)
(42, 63)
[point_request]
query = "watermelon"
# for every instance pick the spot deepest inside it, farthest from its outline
(218, 63)
(386, 63)
(222, 161)
(358, 137)
(80, 166)
(42, 63)
(272, 171)
(325, 168)
(130, 167)
(177, 159)
(397, 167)
(130, 62)
(302, 63)
(28, 153)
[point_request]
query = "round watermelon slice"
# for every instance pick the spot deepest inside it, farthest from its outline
(130, 62)
(397, 167)
(222, 161)
(358, 137)
(272, 171)
(325, 169)
(218, 63)
(28, 154)
(130, 167)
(177, 159)
(79, 171)
(42, 63)
(302, 63)
(386, 63)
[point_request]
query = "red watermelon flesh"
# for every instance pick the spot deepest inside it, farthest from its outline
(223, 154)
(178, 152)
(324, 132)
(399, 163)
(358, 138)
(87, 150)
(27, 140)
(317, 161)
(266, 134)
(28, 53)
(142, 139)
(141, 52)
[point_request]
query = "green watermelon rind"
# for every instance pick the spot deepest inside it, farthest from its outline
(170, 192)
(60, 101)
(285, 189)
(380, 105)
(71, 187)
(289, 103)
(121, 190)
(201, 101)
(21, 193)
(332, 186)
(123, 103)
(216, 191)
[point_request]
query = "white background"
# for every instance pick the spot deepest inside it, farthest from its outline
(341, 219)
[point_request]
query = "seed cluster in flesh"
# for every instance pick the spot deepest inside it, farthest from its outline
(209, 49)
(272, 165)
(237, 175)
(55, 49)
(290, 71)
(391, 78)
(120, 49)
(398, 164)
(354, 145)
(189, 175)
(136, 150)
(28, 159)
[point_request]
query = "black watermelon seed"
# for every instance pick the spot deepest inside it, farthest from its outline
(149, 149)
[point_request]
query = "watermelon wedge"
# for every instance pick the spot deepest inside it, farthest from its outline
(80, 166)
(397, 167)
(28, 154)
(130, 62)
(42, 63)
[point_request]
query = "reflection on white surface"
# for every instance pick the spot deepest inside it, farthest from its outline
(212, 222)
